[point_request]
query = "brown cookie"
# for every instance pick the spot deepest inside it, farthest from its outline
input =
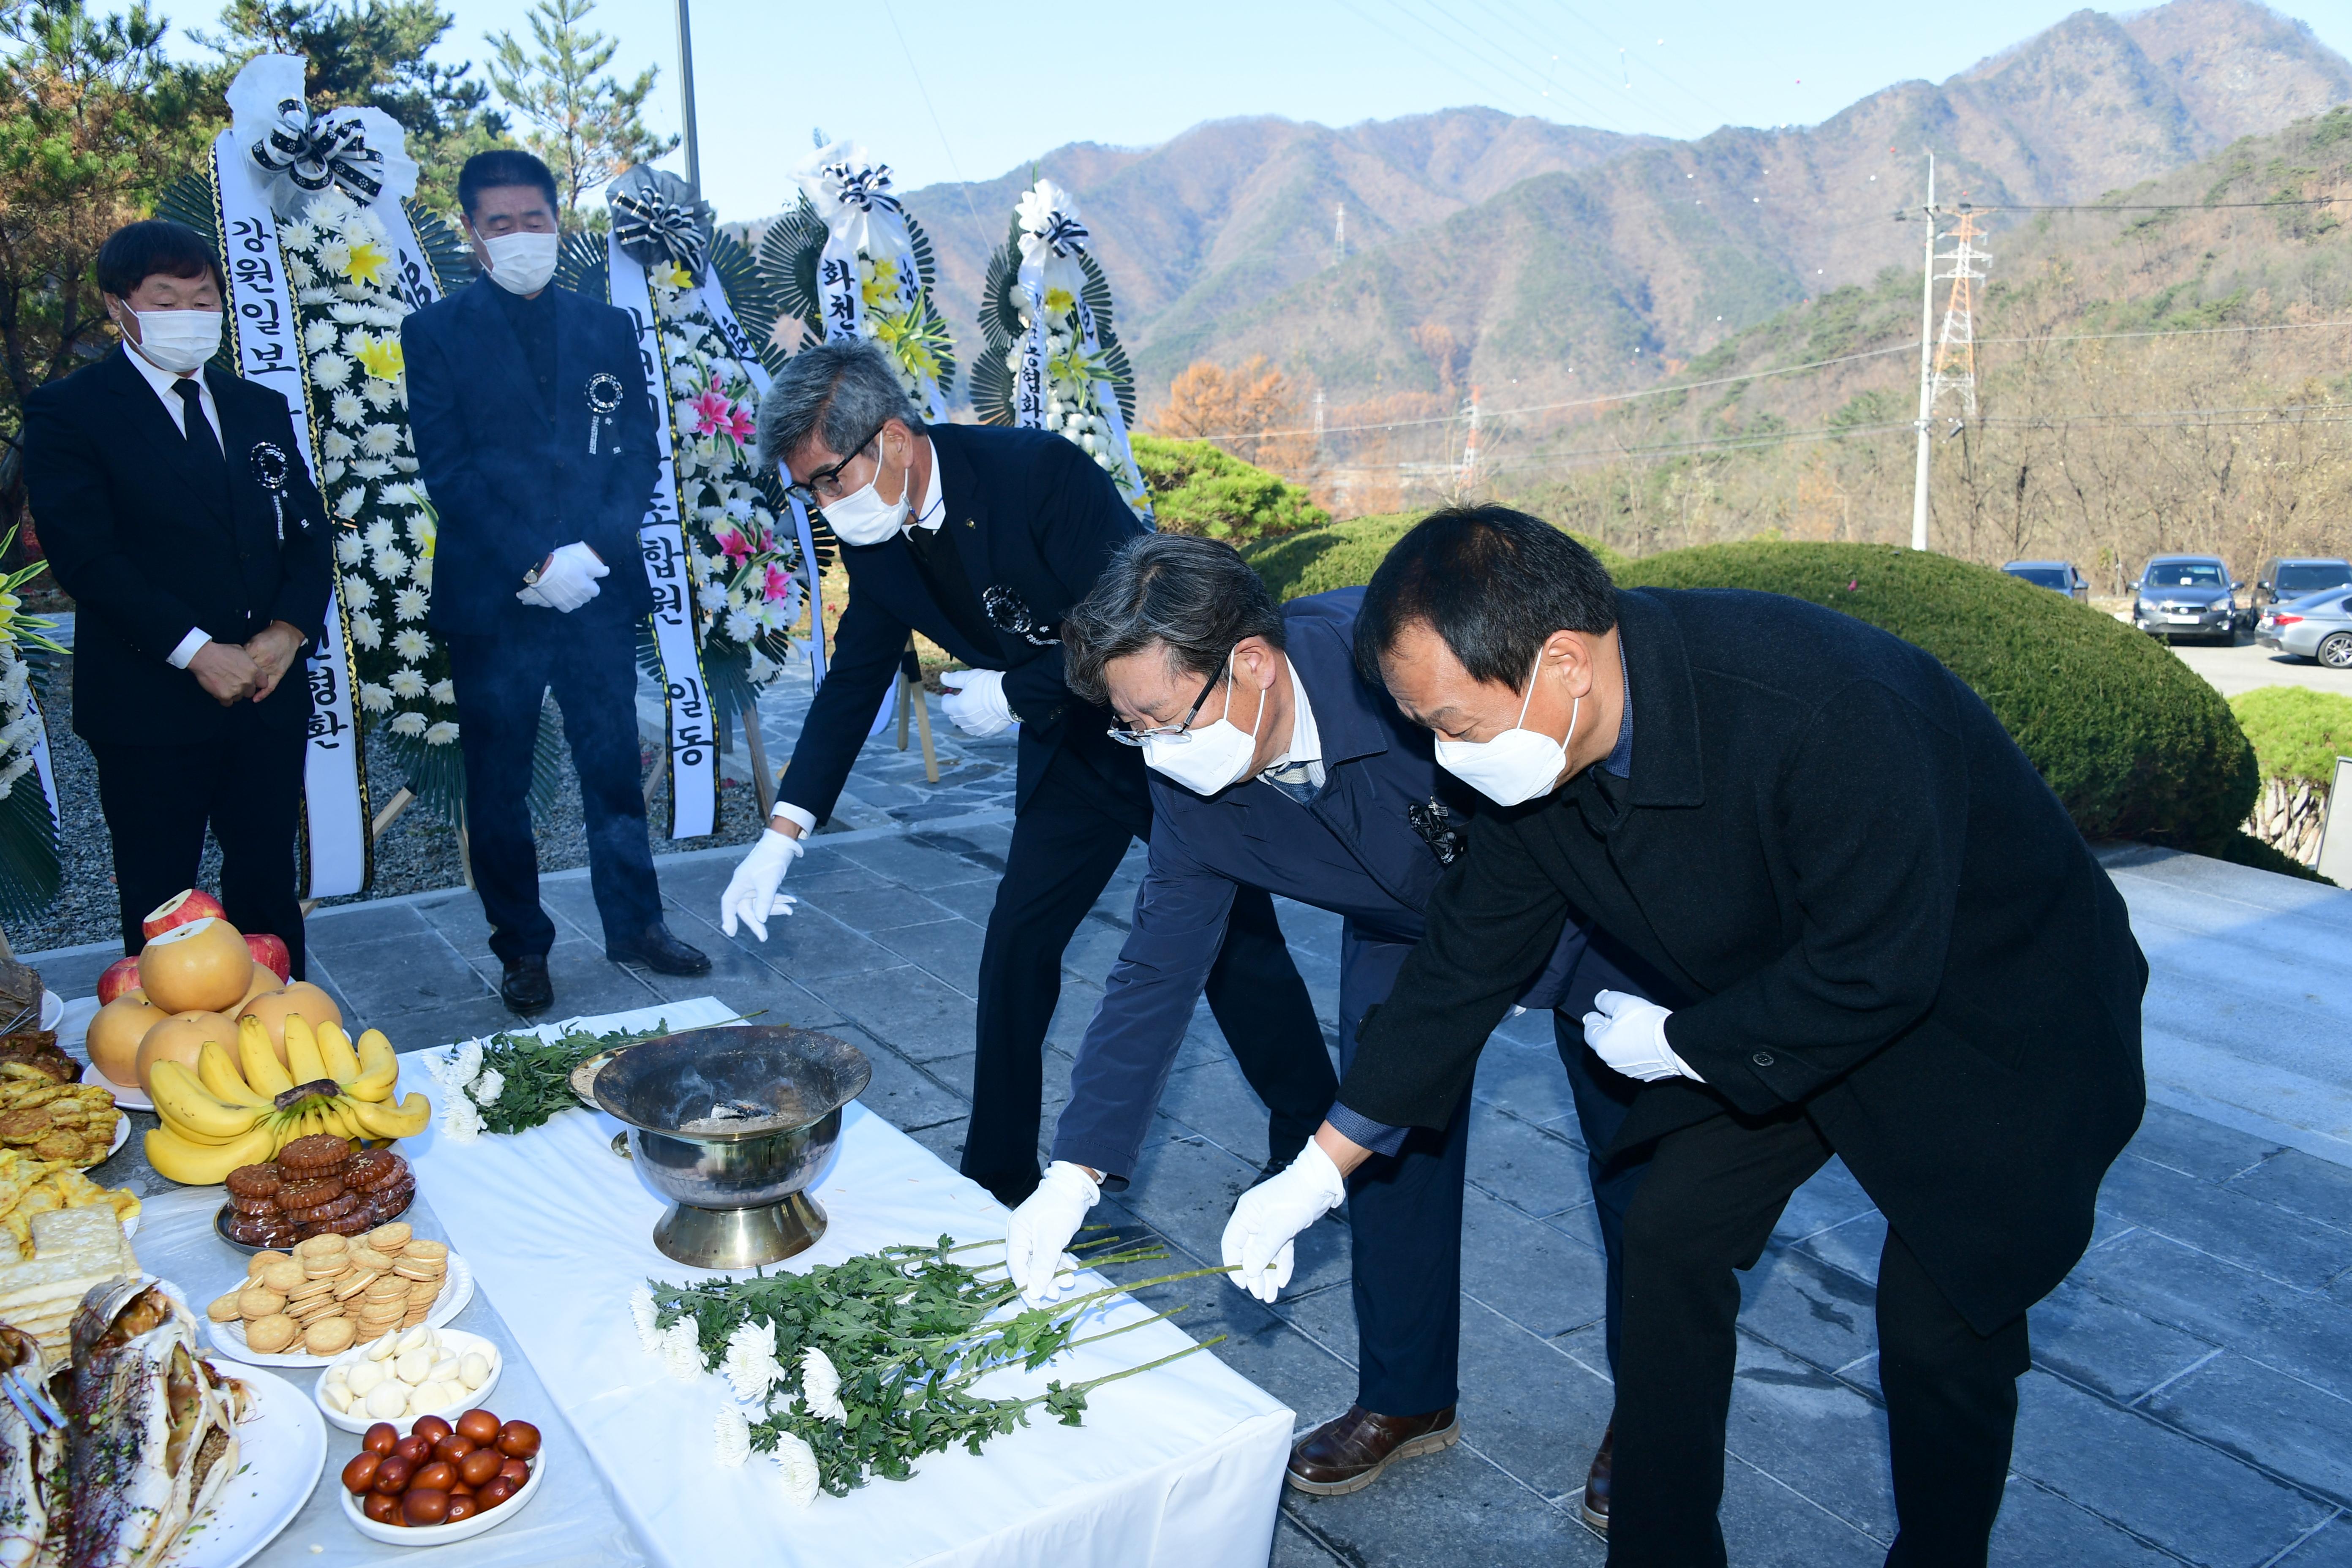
(372, 1168)
(254, 1180)
(264, 1204)
(320, 1214)
(301, 1195)
(308, 1157)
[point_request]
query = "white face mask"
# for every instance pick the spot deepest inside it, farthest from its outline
(178, 340)
(863, 517)
(1517, 764)
(522, 263)
(1214, 756)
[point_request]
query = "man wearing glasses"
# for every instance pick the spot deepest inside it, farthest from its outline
(980, 537)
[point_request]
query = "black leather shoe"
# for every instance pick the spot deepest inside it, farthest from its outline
(1595, 1506)
(525, 987)
(657, 950)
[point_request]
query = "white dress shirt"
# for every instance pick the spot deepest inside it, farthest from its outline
(1306, 743)
(161, 380)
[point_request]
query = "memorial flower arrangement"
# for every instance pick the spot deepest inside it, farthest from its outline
(30, 871)
(858, 1369)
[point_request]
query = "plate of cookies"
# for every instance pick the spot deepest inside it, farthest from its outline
(306, 1307)
(315, 1185)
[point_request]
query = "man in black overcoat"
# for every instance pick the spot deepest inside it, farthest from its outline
(535, 439)
(1884, 940)
(149, 474)
(981, 538)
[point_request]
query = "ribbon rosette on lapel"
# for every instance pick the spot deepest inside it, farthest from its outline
(271, 467)
(656, 221)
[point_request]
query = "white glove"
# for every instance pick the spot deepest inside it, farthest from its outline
(1630, 1034)
(1268, 1215)
(569, 581)
(750, 896)
(975, 701)
(1040, 1232)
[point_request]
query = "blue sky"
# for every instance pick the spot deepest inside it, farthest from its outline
(946, 91)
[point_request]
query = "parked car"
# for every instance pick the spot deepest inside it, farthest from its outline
(2063, 575)
(2181, 596)
(2294, 576)
(2317, 626)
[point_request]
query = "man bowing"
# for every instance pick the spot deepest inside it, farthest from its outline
(536, 441)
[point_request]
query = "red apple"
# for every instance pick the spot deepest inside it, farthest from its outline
(269, 951)
(122, 975)
(194, 904)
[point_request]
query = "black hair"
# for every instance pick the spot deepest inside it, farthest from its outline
(502, 166)
(138, 251)
(1192, 598)
(1493, 582)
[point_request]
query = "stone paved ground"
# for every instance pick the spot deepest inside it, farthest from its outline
(2192, 1394)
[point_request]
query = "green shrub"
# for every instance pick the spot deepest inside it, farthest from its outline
(2135, 743)
(1344, 555)
(1199, 489)
(2297, 733)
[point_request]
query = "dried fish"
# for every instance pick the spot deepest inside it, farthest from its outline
(31, 1457)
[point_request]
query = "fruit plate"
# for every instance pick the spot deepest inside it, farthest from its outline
(457, 1290)
(220, 1228)
(442, 1534)
(53, 1007)
(121, 1135)
(127, 1096)
(455, 1342)
(281, 1449)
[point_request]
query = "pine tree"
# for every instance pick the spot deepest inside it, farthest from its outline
(587, 126)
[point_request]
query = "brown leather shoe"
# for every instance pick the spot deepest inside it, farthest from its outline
(1595, 1508)
(1347, 1453)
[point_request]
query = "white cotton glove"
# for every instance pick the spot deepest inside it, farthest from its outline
(569, 581)
(1630, 1034)
(975, 701)
(750, 896)
(1039, 1234)
(1268, 1217)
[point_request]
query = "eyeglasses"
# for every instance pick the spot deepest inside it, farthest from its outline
(1174, 734)
(825, 485)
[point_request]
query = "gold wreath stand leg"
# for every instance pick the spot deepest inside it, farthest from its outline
(910, 695)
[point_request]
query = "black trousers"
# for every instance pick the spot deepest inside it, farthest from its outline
(247, 786)
(1066, 843)
(1706, 1206)
(502, 681)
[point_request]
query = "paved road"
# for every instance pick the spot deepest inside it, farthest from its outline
(2241, 668)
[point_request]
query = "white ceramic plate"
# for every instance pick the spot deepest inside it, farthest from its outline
(457, 1290)
(126, 1097)
(122, 1134)
(282, 1448)
(53, 1007)
(456, 1341)
(442, 1534)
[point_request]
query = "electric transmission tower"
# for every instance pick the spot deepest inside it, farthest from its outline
(1469, 477)
(1956, 348)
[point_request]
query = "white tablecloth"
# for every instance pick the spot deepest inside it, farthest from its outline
(1180, 1466)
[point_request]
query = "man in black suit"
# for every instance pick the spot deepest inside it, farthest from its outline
(981, 538)
(506, 382)
(1883, 939)
(196, 594)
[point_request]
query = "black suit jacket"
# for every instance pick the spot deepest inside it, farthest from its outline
(150, 555)
(1872, 906)
(1028, 510)
(512, 479)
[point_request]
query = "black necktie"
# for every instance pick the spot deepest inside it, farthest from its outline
(202, 445)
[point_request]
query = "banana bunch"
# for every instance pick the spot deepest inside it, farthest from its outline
(228, 1113)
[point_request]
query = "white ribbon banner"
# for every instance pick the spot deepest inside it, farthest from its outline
(686, 701)
(338, 849)
(41, 760)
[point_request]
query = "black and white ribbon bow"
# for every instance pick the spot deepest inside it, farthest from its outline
(271, 469)
(316, 153)
(867, 190)
(655, 219)
(1063, 235)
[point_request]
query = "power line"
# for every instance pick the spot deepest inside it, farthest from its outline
(2149, 207)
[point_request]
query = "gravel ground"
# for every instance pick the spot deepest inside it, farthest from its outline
(416, 854)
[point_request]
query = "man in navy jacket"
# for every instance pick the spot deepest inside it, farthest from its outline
(1316, 788)
(982, 538)
(535, 440)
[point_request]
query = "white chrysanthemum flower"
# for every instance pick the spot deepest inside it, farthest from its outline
(298, 234)
(405, 682)
(300, 272)
(797, 1474)
(749, 1364)
(421, 532)
(353, 316)
(409, 604)
(711, 597)
(330, 369)
(642, 1313)
(445, 693)
(329, 472)
(740, 626)
(334, 444)
(486, 1088)
(380, 440)
(365, 630)
(349, 550)
(404, 462)
(349, 504)
(682, 1354)
(371, 468)
(411, 644)
(319, 337)
(464, 1064)
(444, 734)
(334, 256)
(347, 409)
(731, 1438)
(408, 724)
(460, 1117)
(420, 571)
(381, 535)
(380, 393)
(358, 592)
(322, 295)
(400, 492)
(391, 566)
(375, 698)
(762, 668)
(821, 1386)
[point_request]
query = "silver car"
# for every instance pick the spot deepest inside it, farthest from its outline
(2317, 626)
(2183, 597)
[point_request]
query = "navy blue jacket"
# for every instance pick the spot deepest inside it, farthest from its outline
(510, 477)
(1029, 511)
(1351, 850)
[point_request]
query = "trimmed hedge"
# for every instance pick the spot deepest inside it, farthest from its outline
(2297, 733)
(1200, 488)
(1344, 555)
(2135, 743)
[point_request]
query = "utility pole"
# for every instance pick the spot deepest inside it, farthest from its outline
(1956, 347)
(1470, 446)
(686, 91)
(1338, 233)
(1927, 365)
